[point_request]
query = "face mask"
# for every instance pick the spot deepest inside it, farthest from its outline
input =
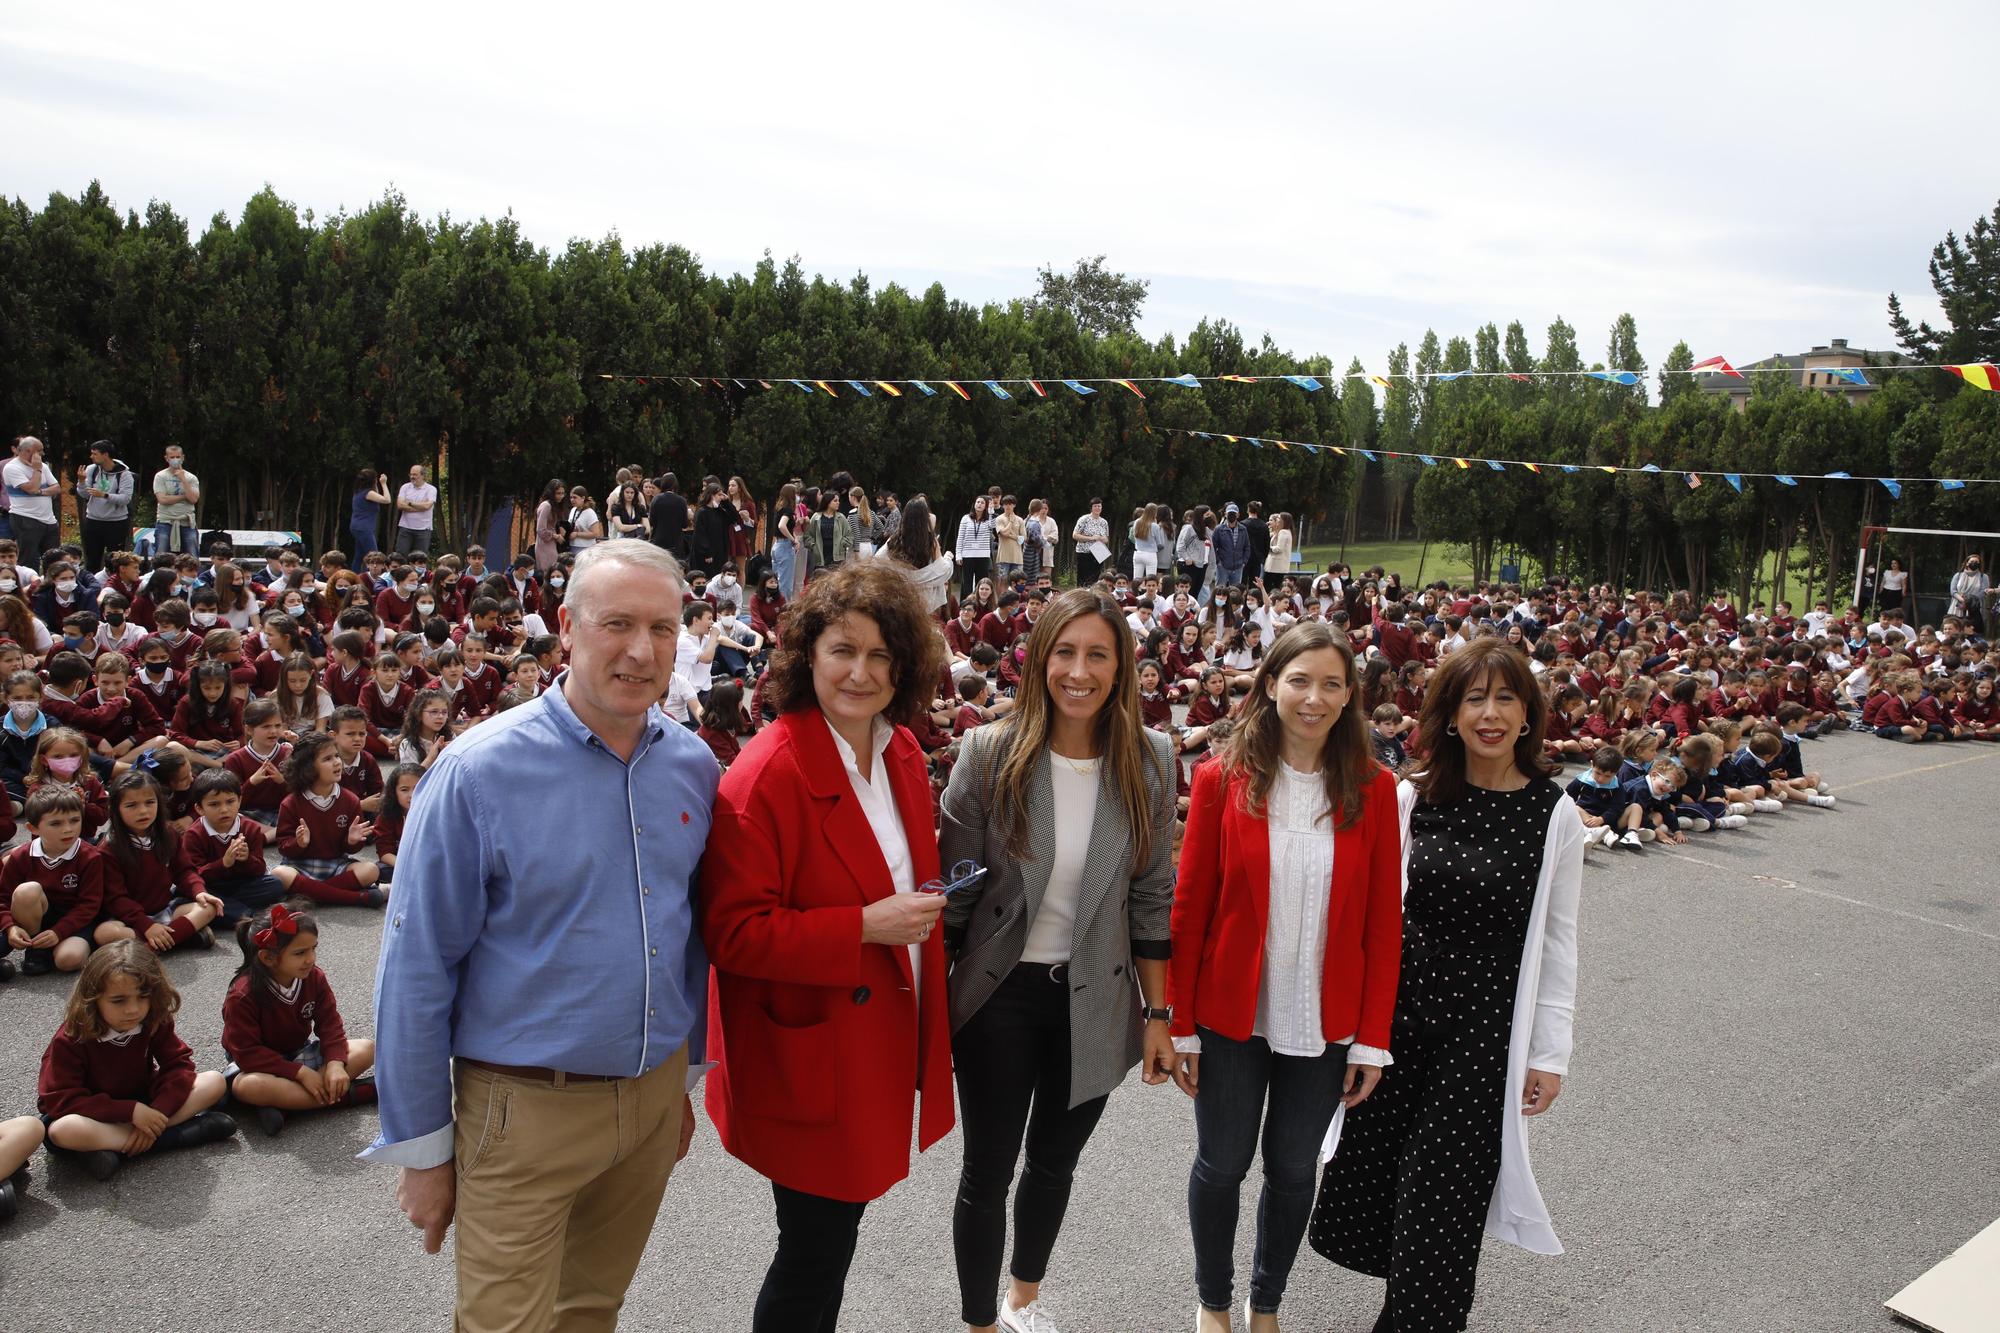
(158, 668)
(204, 618)
(24, 713)
(73, 641)
(295, 608)
(8, 585)
(66, 766)
(114, 618)
(557, 580)
(65, 586)
(173, 635)
(425, 608)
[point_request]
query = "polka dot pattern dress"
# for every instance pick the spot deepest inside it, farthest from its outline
(1406, 1194)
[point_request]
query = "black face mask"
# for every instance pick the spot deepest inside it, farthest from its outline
(158, 668)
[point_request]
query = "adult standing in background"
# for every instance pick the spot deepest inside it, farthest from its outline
(416, 509)
(1968, 595)
(535, 1029)
(830, 1019)
(1092, 535)
(1191, 551)
(551, 526)
(108, 487)
(1276, 565)
(1231, 543)
(1890, 586)
(1010, 530)
(1260, 540)
(34, 493)
(1493, 869)
(669, 515)
(921, 556)
(1069, 803)
(974, 548)
(1285, 955)
(364, 516)
(176, 492)
(786, 556)
(714, 525)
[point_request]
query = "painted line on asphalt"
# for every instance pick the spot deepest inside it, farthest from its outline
(1780, 882)
(1912, 772)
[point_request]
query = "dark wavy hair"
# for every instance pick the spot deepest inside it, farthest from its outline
(885, 594)
(1488, 663)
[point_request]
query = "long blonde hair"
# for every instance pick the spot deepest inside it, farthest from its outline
(1253, 749)
(1023, 735)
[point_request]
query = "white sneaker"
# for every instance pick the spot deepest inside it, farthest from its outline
(1645, 835)
(1823, 802)
(1610, 838)
(1741, 808)
(1825, 789)
(1732, 821)
(1632, 839)
(1028, 1319)
(1766, 805)
(1686, 822)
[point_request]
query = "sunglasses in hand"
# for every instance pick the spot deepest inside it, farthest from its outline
(963, 875)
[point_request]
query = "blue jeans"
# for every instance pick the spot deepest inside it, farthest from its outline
(1236, 1076)
(190, 537)
(785, 564)
(364, 542)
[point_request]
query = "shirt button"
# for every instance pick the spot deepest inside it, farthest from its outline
(654, 952)
(652, 1013)
(645, 892)
(638, 828)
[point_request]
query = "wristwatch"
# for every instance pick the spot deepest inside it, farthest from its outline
(1161, 1015)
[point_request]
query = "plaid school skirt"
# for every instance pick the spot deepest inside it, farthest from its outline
(319, 867)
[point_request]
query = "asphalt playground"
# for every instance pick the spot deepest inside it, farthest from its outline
(1784, 1104)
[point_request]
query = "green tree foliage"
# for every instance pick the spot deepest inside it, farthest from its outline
(1965, 274)
(1099, 300)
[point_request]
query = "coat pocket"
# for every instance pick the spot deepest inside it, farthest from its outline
(781, 1071)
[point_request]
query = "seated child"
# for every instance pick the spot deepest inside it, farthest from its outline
(1639, 747)
(724, 722)
(1704, 800)
(259, 763)
(116, 1080)
(1385, 736)
(1649, 806)
(1599, 799)
(228, 853)
(19, 1138)
(288, 1048)
(359, 772)
(321, 826)
(150, 886)
(62, 762)
(208, 721)
(51, 887)
(401, 785)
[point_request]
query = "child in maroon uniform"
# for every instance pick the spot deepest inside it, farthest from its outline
(117, 1081)
(387, 698)
(52, 886)
(207, 723)
(150, 884)
(359, 772)
(346, 668)
(19, 1138)
(62, 761)
(139, 727)
(482, 678)
(228, 852)
(724, 722)
(288, 1049)
(171, 769)
(402, 784)
(1156, 710)
(157, 680)
(320, 824)
(259, 763)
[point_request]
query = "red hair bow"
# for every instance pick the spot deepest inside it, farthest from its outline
(283, 923)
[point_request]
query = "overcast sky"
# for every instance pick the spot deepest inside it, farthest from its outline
(1752, 178)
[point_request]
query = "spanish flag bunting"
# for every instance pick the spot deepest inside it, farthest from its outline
(1461, 462)
(1611, 470)
(1379, 380)
(1036, 385)
(1980, 375)
(1240, 379)
(1231, 438)
(998, 392)
(1130, 385)
(827, 387)
(1715, 365)
(1519, 378)
(1532, 467)
(888, 388)
(859, 388)
(958, 389)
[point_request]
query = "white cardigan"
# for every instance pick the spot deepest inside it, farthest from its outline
(1544, 1006)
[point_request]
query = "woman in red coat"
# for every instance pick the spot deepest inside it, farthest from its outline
(1287, 940)
(829, 1014)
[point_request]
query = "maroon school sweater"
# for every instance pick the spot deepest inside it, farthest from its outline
(344, 687)
(205, 851)
(386, 715)
(262, 1025)
(327, 829)
(140, 722)
(75, 887)
(188, 729)
(147, 886)
(259, 793)
(96, 801)
(106, 1080)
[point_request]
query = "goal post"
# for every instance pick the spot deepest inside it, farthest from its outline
(1873, 535)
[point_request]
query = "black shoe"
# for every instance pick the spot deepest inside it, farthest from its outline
(9, 1205)
(102, 1163)
(6, 968)
(38, 962)
(203, 938)
(270, 1119)
(21, 1176)
(196, 1130)
(377, 897)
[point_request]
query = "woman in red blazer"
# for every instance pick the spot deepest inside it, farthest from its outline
(829, 1011)
(1287, 937)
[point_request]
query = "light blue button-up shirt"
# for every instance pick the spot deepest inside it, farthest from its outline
(543, 914)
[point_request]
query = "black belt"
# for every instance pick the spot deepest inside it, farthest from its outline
(1055, 972)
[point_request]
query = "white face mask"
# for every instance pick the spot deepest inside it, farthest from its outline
(65, 586)
(24, 712)
(8, 585)
(295, 609)
(425, 608)
(204, 618)
(556, 580)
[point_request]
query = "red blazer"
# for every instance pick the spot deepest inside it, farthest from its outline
(824, 1047)
(1222, 906)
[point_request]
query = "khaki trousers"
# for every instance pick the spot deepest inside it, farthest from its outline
(557, 1191)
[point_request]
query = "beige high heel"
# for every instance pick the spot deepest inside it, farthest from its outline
(1210, 1321)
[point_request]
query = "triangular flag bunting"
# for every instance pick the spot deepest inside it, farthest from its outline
(998, 392)
(1891, 485)
(1532, 467)
(859, 388)
(1567, 467)
(1847, 375)
(1185, 381)
(765, 383)
(1130, 385)
(1366, 454)
(1614, 376)
(1694, 481)
(1448, 376)
(1496, 465)
(924, 389)
(1608, 470)
(1519, 378)
(1427, 460)
(1979, 376)
(1243, 379)
(1650, 467)
(1461, 462)
(1715, 365)
(1951, 485)
(828, 387)
(801, 384)
(958, 389)
(1784, 480)
(1306, 382)
(1036, 385)
(1082, 389)
(1232, 439)
(886, 387)
(1841, 476)
(1379, 380)
(1734, 479)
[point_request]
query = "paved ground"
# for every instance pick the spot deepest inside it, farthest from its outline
(1785, 1103)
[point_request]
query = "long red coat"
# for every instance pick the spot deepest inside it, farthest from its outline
(823, 1042)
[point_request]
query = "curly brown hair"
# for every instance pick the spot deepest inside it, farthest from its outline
(130, 958)
(885, 594)
(1484, 663)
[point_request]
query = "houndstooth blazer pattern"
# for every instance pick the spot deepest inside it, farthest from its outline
(989, 922)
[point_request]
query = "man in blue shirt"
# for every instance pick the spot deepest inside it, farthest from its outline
(542, 992)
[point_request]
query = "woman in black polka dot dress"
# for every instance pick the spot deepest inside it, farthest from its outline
(1494, 861)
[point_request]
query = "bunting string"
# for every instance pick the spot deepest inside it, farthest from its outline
(1979, 375)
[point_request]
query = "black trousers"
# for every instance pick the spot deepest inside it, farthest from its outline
(1088, 568)
(808, 1276)
(1012, 1060)
(101, 535)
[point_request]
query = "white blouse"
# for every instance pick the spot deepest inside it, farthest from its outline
(878, 802)
(1073, 785)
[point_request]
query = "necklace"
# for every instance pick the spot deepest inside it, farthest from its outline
(1083, 768)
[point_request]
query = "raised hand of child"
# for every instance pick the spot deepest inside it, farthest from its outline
(336, 1081)
(304, 835)
(312, 1081)
(160, 937)
(358, 832)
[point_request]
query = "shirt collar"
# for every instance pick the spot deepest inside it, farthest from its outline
(556, 704)
(35, 849)
(879, 739)
(217, 833)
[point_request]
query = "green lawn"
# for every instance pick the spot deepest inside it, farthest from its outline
(1448, 563)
